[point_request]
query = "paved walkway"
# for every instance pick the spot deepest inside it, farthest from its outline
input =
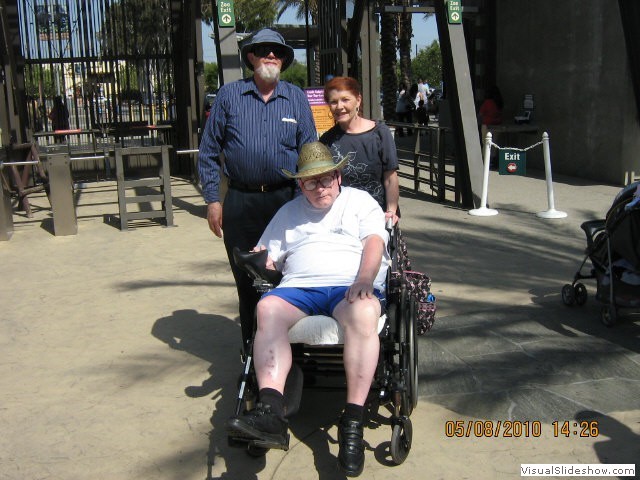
(119, 349)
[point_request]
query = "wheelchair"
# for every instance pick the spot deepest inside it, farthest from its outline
(317, 353)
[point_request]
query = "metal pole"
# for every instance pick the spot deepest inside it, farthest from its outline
(483, 211)
(551, 212)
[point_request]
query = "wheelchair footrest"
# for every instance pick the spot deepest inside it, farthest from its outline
(278, 446)
(243, 442)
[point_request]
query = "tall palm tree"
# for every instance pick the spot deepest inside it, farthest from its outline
(388, 65)
(405, 32)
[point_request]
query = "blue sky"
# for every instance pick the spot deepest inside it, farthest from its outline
(424, 32)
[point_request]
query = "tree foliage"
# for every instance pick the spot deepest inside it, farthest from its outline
(301, 8)
(428, 64)
(210, 77)
(296, 74)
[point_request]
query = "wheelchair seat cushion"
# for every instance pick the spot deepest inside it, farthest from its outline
(322, 330)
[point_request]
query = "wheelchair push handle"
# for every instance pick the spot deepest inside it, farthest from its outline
(389, 224)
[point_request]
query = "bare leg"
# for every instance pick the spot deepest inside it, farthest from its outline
(271, 348)
(361, 345)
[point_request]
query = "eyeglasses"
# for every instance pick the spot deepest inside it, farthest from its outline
(312, 184)
(265, 50)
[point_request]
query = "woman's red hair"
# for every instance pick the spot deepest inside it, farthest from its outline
(342, 83)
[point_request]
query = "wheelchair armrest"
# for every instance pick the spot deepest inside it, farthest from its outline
(255, 264)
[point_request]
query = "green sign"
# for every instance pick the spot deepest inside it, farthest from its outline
(226, 17)
(454, 11)
(512, 162)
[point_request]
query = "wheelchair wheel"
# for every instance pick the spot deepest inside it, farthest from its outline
(401, 437)
(408, 352)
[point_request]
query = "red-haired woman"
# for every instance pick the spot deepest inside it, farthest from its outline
(369, 145)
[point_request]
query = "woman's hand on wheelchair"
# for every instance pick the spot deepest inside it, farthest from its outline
(389, 215)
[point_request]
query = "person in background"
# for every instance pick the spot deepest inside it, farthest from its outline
(258, 124)
(403, 113)
(369, 145)
(422, 116)
(59, 116)
(490, 113)
(423, 89)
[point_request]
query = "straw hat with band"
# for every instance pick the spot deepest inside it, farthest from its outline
(315, 159)
(267, 36)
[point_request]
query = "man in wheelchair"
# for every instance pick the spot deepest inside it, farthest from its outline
(330, 245)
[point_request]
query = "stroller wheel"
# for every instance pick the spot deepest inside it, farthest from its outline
(568, 294)
(580, 294)
(608, 315)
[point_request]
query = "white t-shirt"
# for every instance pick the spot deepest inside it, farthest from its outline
(315, 247)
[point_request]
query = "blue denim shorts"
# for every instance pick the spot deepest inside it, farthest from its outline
(315, 300)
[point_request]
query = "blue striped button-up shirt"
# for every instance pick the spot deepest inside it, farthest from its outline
(257, 139)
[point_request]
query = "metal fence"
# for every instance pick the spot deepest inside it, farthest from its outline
(428, 161)
(109, 60)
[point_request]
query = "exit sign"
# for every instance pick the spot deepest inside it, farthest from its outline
(454, 11)
(226, 17)
(512, 162)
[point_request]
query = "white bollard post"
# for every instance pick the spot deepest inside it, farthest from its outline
(551, 212)
(483, 211)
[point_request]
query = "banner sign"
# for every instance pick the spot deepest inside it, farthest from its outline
(320, 110)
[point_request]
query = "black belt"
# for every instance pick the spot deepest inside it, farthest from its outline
(244, 187)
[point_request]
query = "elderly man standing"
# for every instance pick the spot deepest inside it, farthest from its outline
(330, 245)
(256, 127)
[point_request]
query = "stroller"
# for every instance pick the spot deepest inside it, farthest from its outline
(613, 246)
(317, 350)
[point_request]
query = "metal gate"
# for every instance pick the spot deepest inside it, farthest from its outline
(109, 60)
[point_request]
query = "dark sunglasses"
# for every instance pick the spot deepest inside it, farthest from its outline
(265, 50)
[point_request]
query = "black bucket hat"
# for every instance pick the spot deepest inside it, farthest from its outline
(267, 36)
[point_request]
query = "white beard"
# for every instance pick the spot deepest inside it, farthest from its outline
(268, 73)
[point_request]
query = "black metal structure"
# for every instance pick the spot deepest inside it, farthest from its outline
(122, 63)
(116, 64)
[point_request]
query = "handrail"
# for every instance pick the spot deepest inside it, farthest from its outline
(430, 158)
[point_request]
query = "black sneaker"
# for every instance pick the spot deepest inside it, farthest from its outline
(351, 454)
(261, 426)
